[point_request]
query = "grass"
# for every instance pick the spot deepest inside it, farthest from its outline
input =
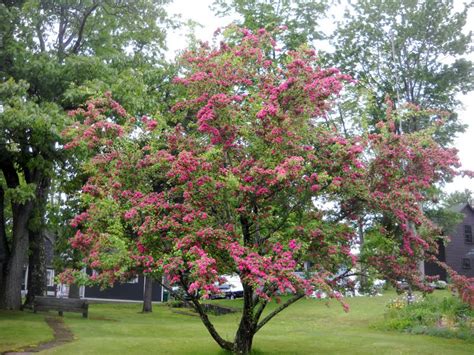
(20, 329)
(308, 327)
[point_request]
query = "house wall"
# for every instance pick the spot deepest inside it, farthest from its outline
(50, 286)
(432, 269)
(457, 248)
(124, 291)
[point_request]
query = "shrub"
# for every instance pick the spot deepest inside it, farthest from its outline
(446, 317)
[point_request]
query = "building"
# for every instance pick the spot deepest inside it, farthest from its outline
(459, 252)
(132, 290)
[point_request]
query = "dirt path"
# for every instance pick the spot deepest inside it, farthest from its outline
(62, 335)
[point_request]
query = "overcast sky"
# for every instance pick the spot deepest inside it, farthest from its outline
(199, 11)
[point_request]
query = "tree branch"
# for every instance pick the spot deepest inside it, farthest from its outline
(39, 33)
(224, 344)
(209, 326)
(259, 311)
(278, 310)
(87, 13)
(62, 30)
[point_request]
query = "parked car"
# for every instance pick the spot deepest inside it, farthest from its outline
(232, 288)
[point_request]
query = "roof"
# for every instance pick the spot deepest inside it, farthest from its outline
(460, 206)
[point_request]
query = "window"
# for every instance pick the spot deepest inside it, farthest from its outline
(468, 234)
(133, 280)
(50, 278)
(466, 263)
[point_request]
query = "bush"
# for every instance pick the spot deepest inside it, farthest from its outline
(446, 317)
(175, 304)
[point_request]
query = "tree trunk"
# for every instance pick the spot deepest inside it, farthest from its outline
(147, 294)
(248, 325)
(4, 250)
(73, 291)
(11, 292)
(364, 287)
(37, 268)
(37, 256)
(244, 336)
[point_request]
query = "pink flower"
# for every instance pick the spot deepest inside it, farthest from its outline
(292, 244)
(130, 214)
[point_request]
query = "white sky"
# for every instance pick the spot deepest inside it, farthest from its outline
(198, 11)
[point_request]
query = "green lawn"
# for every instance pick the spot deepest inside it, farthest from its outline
(308, 327)
(20, 329)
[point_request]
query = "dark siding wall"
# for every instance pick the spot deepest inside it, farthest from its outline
(432, 269)
(124, 291)
(457, 248)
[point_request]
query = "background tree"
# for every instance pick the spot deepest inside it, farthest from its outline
(28, 154)
(301, 17)
(413, 51)
(51, 54)
(457, 197)
(234, 192)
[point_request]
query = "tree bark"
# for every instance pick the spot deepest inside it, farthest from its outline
(36, 269)
(363, 272)
(11, 292)
(243, 339)
(147, 294)
(4, 250)
(73, 291)
(37, 256)
(224, 344)
(247, 327)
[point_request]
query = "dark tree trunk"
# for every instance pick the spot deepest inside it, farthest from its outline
(243, 341)
(4, 250)
(245, 333)
(36, 269)
(147, 294)
(37, 256)
(248, 324)
(73, 291)
(11, 293)
(364, 287)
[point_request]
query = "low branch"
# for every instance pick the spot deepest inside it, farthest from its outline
(259, 311)
(278, 310)
(224, 344)
(170, 291)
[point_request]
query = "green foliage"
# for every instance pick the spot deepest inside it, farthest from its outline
(398, 48)
(54, 55)
(28, 129)
(22, 193)
(458, 197)
(444, 213)
(301, 17)
(446, 317)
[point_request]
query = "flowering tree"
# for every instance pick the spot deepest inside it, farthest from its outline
(241, 187)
